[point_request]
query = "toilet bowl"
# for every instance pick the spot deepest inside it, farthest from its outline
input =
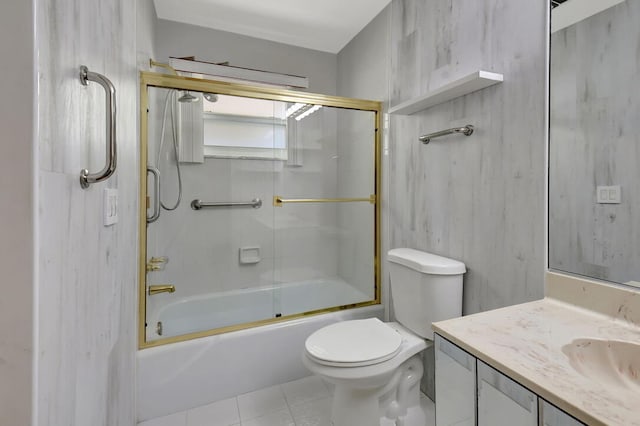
(376, 367)
(389, 369)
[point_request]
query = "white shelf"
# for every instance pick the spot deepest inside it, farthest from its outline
(463, 86)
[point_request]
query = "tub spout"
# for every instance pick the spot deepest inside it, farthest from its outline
(155, 289)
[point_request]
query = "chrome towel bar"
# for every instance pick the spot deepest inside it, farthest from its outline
(86, 178)
(466, 130)
(278, 201)
(256, 203)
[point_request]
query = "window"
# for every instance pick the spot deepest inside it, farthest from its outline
(237, 127)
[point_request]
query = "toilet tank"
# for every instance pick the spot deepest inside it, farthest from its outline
(425, 288)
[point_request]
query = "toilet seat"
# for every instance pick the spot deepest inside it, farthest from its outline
(354, 343)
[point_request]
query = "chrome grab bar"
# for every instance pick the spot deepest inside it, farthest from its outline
(86, 178)
(156, 194)
(256, 203)
(278, 201)
(466, 130)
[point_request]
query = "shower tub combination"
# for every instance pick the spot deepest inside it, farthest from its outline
(218, 310)
(200, 349)
(179, 376)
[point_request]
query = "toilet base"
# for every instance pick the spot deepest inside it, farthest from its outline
(355, 407)
(364, 407)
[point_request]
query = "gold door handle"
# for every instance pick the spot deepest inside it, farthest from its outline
(278, 201)
(166, 288)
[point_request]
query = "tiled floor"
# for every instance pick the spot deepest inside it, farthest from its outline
(304, 402)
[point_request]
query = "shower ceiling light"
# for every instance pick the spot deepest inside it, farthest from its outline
(293, 109)
(308, 112)
(300, 110)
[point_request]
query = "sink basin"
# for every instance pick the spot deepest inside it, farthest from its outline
(610, 362)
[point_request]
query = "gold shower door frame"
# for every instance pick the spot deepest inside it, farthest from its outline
(150, 79)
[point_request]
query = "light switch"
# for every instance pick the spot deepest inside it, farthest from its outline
(603, 195)
(613, 195)
(609, 194)
(110, 206)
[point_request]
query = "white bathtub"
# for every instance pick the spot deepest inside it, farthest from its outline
(216, 310)
(184, 375)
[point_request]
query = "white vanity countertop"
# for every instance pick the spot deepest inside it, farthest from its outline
(525, 343)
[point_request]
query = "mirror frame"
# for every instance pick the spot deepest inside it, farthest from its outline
(159, 80)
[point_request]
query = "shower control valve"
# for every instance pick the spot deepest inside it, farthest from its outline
(157, 263)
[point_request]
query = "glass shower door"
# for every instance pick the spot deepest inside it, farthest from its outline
(261, 206)
(324, 219)
(210, 250)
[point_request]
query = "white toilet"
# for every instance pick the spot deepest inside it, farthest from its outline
(375, 366)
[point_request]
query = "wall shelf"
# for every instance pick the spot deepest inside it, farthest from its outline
(473, 82)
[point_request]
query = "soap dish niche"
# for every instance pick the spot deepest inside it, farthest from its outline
(249, 255)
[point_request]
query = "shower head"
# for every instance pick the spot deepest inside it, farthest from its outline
(188, 98)
(211, 97)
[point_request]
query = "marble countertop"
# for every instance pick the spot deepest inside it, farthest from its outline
(525, 343)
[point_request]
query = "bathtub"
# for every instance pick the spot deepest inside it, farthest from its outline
(179, 376)
(216, 310)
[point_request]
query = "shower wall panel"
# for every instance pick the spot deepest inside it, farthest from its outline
(479, 199)
(87, 271)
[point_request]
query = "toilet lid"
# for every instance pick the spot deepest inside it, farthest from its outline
(347, 343)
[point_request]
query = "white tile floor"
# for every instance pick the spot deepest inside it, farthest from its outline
(304, 402)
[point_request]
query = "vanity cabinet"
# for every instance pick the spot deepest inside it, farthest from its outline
(470, 392)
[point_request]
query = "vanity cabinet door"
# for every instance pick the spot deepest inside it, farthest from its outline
(503, 402)
(553, 416)
(455, 385)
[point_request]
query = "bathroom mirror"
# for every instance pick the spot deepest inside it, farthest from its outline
(258, 205)
(594, 178)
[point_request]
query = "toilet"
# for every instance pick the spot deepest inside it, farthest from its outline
(376, 367)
